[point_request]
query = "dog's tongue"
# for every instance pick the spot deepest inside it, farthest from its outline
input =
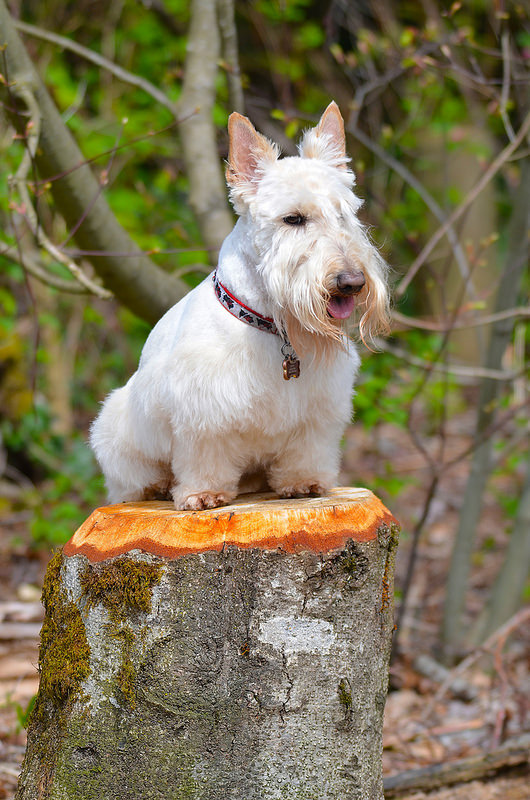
(340, 307)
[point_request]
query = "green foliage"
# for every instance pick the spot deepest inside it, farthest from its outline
(71, 483)
(23, 714)
(388, 385)
(425, 113)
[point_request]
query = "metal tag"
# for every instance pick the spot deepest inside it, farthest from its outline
(291, 368)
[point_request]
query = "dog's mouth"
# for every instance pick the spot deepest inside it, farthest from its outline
(341, 306)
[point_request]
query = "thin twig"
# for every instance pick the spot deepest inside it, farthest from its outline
(103, 182)
(123, 74)
(30, 264)
(439, 327)
(486, 434)
(494, 167)
(425, 195)
(501, 634)
(505, 92)
(27, 211)
(126, 145)
(454, 369)
(418, 528)
(382, 81)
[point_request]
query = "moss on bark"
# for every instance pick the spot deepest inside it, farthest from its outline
(258, 674)
(121, 586)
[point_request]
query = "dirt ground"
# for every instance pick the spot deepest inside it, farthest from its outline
(425, 723)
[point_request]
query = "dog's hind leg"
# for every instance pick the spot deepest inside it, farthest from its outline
(149, 482)
(128, 472)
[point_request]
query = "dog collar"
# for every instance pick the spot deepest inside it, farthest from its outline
(291, 363)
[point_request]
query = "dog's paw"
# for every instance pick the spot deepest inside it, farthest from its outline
(303, 490)
(201, 500)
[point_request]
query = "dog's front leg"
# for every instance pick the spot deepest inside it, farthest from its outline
(206, 473)
(309, 462)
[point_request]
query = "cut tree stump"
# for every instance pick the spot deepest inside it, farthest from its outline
(239, 653)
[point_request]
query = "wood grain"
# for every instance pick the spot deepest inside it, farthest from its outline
(264, 521)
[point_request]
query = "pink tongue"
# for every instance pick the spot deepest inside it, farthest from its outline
(341, 307)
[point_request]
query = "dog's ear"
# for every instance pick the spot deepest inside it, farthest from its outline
(248, 150)
(327, 140)
(332, 125)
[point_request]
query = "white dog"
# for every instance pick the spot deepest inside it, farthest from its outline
(209, 412)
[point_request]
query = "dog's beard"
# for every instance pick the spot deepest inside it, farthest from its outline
(304, 315)
(300, 278)
(312, 330)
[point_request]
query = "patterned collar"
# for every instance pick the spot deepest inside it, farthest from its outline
(291, 363)
(240, 310)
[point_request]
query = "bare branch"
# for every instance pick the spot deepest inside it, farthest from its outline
(95, 58)
(516, 259)
(512, 753)
(384, 80)
(18, 182)
(426, 196)
(32, 265)
(228, 30)
(137, 282)
(198, 134)
(453, 369)
(501, 634)
(494, 167)
(505, 93)
(507, 591)
(439, 327)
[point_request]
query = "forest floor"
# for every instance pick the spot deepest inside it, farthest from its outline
(426, 722)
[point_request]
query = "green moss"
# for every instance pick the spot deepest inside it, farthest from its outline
(345, 696)
(388, 537)
(121, 586)
(126, 675)
(64, 663)
(64, 655)
(51, 580)
(354, 563)
(354, 566)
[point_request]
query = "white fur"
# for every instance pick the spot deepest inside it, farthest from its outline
(208, 405)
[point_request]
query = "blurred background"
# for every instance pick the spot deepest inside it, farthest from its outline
(98, 238)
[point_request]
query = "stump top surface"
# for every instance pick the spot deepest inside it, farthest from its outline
(263, 521)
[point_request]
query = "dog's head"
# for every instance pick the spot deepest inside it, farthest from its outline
(314, 255)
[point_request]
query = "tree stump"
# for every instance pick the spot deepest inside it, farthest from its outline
(239, 653)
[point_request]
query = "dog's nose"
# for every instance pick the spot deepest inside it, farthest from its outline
(350, 282)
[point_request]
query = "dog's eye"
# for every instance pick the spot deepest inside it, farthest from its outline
(295, 219)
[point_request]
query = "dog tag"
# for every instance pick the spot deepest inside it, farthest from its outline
(291, 368)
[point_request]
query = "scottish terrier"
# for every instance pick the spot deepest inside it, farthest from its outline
(247, 382)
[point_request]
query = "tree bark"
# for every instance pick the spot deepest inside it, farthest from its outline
(136, 281)
(516, 261)
(506, 595)
(235, 653)
(207, 185)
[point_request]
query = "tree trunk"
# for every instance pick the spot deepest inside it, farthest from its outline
(515, 264)
(232, 654)
(198, 134)
(136, 281)
(506, 595)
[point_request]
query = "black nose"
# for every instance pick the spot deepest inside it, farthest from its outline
(350, 282)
